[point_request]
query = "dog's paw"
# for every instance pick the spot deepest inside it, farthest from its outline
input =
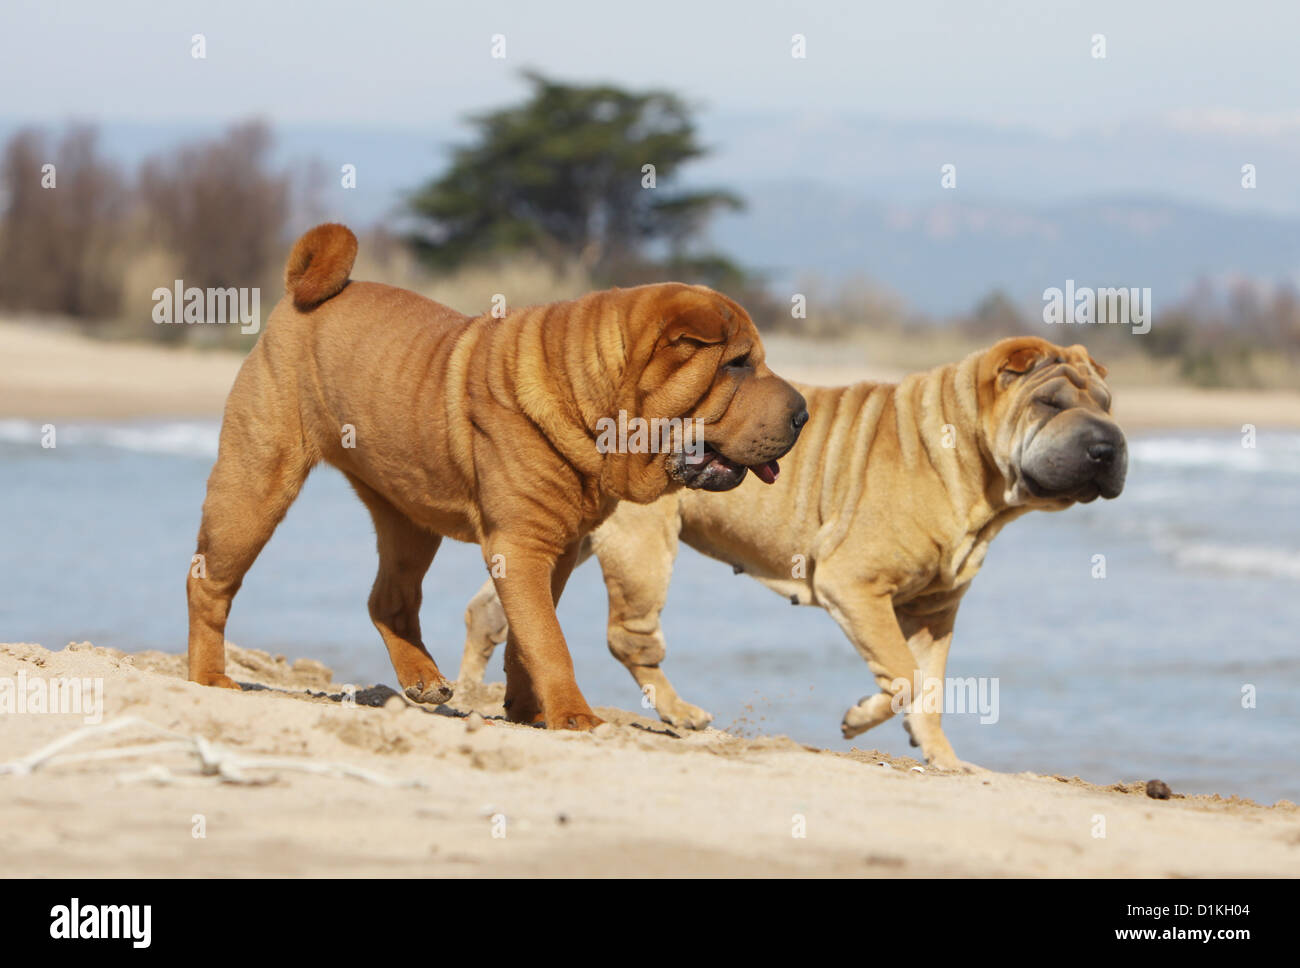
(683, 715)
(434, 692)
(523, 711)
(870, 711)
(577, 721)
(220, 680)
(950, 764)
(911, 732)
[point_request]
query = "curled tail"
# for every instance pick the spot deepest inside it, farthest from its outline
(319, 264)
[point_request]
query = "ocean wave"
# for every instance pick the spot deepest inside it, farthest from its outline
(1237, 559)
(1273, 453)
(180, 438)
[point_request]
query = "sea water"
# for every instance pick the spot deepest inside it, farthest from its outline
(1150, 636)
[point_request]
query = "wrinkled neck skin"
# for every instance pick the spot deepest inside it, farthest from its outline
(638, 477)
(587, 378)
(995, 497)
(1005, 442)
(977, 472)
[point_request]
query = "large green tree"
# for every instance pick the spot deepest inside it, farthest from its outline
(562, 174)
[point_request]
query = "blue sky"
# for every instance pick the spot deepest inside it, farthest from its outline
(391, 63)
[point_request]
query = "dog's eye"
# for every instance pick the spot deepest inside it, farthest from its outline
(740, 362)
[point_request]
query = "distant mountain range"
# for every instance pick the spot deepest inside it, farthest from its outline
(942, 257)
(1156, 204)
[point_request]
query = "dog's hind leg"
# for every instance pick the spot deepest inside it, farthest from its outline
(405, 553)
(260, 469)
(485, 628)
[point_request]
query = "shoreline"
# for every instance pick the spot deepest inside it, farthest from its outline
(52, 374)
(463, 793)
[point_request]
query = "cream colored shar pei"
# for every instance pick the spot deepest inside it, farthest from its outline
(882, 516)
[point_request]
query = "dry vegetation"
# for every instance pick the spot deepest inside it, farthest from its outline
(1247, 338)
(213, 213)
(470, 289)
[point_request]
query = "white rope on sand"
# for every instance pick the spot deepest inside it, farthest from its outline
(214, 761)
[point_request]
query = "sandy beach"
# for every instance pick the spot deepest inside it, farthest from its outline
(409, 790)
(55, 374)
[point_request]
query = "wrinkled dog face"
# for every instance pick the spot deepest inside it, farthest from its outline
(709, 366)
(1046, 411)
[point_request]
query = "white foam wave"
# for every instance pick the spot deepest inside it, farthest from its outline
(1238, 559)
(181, 438)
(1273, 453)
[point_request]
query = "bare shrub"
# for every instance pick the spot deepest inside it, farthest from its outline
(219, 209)
(58, 248)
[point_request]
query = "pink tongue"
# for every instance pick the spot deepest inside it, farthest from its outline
(767, 472)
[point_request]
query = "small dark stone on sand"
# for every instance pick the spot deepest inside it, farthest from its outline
(1158, 790)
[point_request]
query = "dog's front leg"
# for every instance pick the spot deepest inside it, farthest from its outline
(540, 685)
(866, 614)
(929, 637)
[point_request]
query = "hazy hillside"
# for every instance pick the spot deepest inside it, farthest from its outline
(943, 256)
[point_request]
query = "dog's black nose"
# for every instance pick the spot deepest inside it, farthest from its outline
(1101, 452)
(799, 419)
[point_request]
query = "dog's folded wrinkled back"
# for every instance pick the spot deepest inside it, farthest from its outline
(480, 429)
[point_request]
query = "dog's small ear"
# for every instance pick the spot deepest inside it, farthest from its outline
(1021, 360)
(703, 325)
(1101, 370)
